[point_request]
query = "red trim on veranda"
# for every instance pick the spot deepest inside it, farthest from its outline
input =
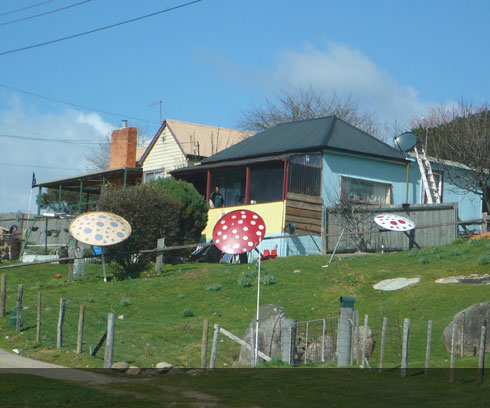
(247, 185)
(285, 179)
(208, 186)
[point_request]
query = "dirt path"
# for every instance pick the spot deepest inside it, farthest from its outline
(13, 363)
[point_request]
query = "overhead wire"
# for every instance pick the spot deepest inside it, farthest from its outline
(45, 13)
(37, 166)
(77, 105)
(100, 28)
(25, 8)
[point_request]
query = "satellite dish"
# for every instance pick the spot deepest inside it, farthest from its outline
(394, 222)
(405, 141)
(238, 231)
(100, 228)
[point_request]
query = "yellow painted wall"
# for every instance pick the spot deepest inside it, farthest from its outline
(272, 214)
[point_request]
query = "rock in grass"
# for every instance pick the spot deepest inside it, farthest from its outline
(120, 366)
(133, 370)
(163, 367)
(474, 316)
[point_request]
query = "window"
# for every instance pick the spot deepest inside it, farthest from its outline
(305, 174)
(154, 175)
(266, 182)
(365, 191)
(439, 179)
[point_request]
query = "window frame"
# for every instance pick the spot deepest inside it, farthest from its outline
(150, 172)
(389, 192)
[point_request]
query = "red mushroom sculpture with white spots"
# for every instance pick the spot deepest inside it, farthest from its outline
(394, 222)
(238, 232)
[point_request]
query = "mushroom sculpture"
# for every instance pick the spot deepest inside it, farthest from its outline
(100, 228)
(238, 232)
(393, 222)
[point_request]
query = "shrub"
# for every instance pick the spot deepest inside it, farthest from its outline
(213, 288)
(245, 280)
(125, 302)
(193, 210)
(188, 313)
(483, 260)
(268, 280)
(152, 214)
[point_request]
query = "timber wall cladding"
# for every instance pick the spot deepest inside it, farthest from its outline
(435, 225)
(305, 212)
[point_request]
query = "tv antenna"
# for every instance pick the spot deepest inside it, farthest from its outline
(158, 103)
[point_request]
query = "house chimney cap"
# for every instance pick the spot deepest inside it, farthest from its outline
(124, 123)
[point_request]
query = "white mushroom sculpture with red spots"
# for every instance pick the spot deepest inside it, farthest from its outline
(394, 222)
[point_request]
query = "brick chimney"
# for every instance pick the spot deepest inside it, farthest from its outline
(123, 147)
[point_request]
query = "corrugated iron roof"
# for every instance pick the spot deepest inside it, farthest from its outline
(313, 134)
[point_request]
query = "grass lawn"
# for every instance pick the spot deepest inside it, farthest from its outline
(155, 327)
(256, 388)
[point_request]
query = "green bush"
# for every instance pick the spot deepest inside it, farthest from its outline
(245, 280)
(484, 260)
(213, 288)
(193, 210)
(125, 302)
(268, 280)
(188, 313)
(151, 213)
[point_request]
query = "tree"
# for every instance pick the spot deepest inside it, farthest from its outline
(459, 139)
(193, 214)
(50, 200)
(152, 214)
(306, 103)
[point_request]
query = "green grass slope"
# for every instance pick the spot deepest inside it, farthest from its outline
(161, 317)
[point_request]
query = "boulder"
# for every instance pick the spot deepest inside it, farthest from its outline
(274, 326)
(314, 353)
(132, 370)
(369, 343)
(163, 367)
(474, 316)
(120, 366)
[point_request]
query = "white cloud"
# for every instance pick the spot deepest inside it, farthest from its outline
(345, 70)
(49, 160)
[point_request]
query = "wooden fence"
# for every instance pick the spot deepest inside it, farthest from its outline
(431, 221)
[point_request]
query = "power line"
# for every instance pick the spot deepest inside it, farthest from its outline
(44, 14)
(36, 166)
(25, 8)
(100, 28)
(37, 139)
(77, 105)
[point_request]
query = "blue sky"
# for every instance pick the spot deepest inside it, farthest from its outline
(210, 60)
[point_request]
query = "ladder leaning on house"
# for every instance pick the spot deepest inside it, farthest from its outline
(428, 180)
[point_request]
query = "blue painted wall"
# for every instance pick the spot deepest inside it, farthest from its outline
(337, 164)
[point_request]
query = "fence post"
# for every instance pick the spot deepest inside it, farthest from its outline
(453, 347)
(357, 337)
(18, 325)
(81, 319)
(3, 293)
(204, 344)
(61, 318)
(406, 335)
(306, 342)
(364, 341)
(214, 348)
(462, 334)
(383, 342)
(481, 359)
(71, 263)
(109, 345)
(323, 340)
(427, 349)
(38, 318)
(158, 262)
(344, 331)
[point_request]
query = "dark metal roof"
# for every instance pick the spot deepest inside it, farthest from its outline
(313, 134)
